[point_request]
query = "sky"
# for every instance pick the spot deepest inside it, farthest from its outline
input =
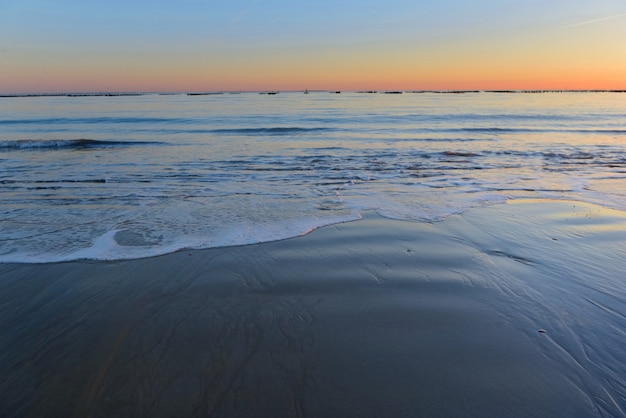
(49, 46)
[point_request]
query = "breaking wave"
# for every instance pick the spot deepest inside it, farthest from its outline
(53, 144)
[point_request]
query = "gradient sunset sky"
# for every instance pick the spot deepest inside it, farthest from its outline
(214, 45)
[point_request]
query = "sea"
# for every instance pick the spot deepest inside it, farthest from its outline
(123, 176)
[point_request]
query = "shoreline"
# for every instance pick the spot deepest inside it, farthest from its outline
(130, 241)
(509, 310)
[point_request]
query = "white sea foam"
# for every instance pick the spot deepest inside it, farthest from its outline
(242, 170)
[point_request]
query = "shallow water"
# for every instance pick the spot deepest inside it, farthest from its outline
(134, 176)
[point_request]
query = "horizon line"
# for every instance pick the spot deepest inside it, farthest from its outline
(114, 93)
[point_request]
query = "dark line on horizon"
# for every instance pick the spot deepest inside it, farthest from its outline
(211, 93)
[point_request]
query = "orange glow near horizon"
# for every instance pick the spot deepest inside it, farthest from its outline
(447, 69)
(393, 73)
(471, 77)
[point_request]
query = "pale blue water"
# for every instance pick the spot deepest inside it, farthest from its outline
(134, 176)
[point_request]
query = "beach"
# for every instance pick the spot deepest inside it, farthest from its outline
(515, 309)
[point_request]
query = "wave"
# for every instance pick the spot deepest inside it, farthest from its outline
(94, 120)
(40, 184)
(603, 131)
(537, 130)
(459, 154)
(43, 144)
(267, 131)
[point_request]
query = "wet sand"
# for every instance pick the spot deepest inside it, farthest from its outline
(513, 310)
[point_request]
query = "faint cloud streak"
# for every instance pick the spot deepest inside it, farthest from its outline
(588, 22)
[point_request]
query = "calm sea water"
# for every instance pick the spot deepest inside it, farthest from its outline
(135, 176)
